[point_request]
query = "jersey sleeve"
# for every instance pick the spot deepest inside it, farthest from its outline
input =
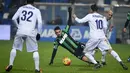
(15, 17)
(69, 20)
(128, 20)
(67, 28)
(126, 23)
(55, 45)
(39, 20)
(105, 25)
(128, 15)
(83, 20)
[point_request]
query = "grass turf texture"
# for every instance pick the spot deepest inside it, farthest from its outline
(24, 61)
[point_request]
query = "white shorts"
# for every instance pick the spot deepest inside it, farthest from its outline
(103, 44)
(31, 43)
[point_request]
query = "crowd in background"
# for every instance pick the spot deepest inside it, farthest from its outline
(11, 6)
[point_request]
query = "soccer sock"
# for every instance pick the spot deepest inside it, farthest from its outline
(93, 53)
(36, 60)
(12, 56)
(116, 56)
(91, 58)
(103, 58)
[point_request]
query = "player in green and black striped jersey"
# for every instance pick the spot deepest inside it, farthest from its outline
(65, 40)
(127, 23)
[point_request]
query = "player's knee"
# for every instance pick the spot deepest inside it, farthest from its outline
(84, 58)
(13, 50)
(35, 55)
(104, 52)
(109, 51)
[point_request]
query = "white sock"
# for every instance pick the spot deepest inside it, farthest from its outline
(103, 58)
(12, 56)
(36, 60)
(91, 58)
(93, 53)
(116, 56)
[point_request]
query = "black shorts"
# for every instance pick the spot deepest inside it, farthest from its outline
(79, 53)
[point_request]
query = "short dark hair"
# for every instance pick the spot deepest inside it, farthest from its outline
(57, 28)
(30, 1)
(94, 7)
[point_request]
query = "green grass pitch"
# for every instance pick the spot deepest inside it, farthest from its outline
(24, 61)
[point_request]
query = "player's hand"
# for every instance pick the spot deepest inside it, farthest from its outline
(38, 36)
(124, 30)
(51, 63)
(69, 9)
(74, 16)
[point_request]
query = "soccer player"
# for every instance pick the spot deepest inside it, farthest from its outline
(65, 40)
(97, 37)
(127, 23)
(28, 15)
(107, 30)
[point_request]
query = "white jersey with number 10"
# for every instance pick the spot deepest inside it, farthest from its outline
(28, 16)
(97, 23)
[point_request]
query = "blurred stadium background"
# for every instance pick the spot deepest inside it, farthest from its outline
(54, 12)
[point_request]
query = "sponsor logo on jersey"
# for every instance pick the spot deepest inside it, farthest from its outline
(63, 39)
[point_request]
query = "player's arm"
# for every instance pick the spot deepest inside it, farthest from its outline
(39, 20)
(105, 26)
(69, 20)
(15, 17)
(127, 22)
(83, 20)
(54, 52)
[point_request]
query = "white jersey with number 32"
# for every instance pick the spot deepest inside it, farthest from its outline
(28, 17)
(97, 22)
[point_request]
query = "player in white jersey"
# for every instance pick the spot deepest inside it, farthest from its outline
(28, 31)
(97, 37)
(107, 30)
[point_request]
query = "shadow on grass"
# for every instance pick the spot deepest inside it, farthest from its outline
(72, 65)
(20, 71)
(85, 67)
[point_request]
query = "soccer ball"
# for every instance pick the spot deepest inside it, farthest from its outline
(66, 61)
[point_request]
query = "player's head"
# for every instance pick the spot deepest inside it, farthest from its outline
(57, 30)
(94, 8)
(30, 1)
(109, 14)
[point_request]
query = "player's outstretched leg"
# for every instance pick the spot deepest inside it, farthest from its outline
(91, 58)
(85, 59)
(116, 56)
(36, 61)
(123, 65)
(103, 58)
(12, 57)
